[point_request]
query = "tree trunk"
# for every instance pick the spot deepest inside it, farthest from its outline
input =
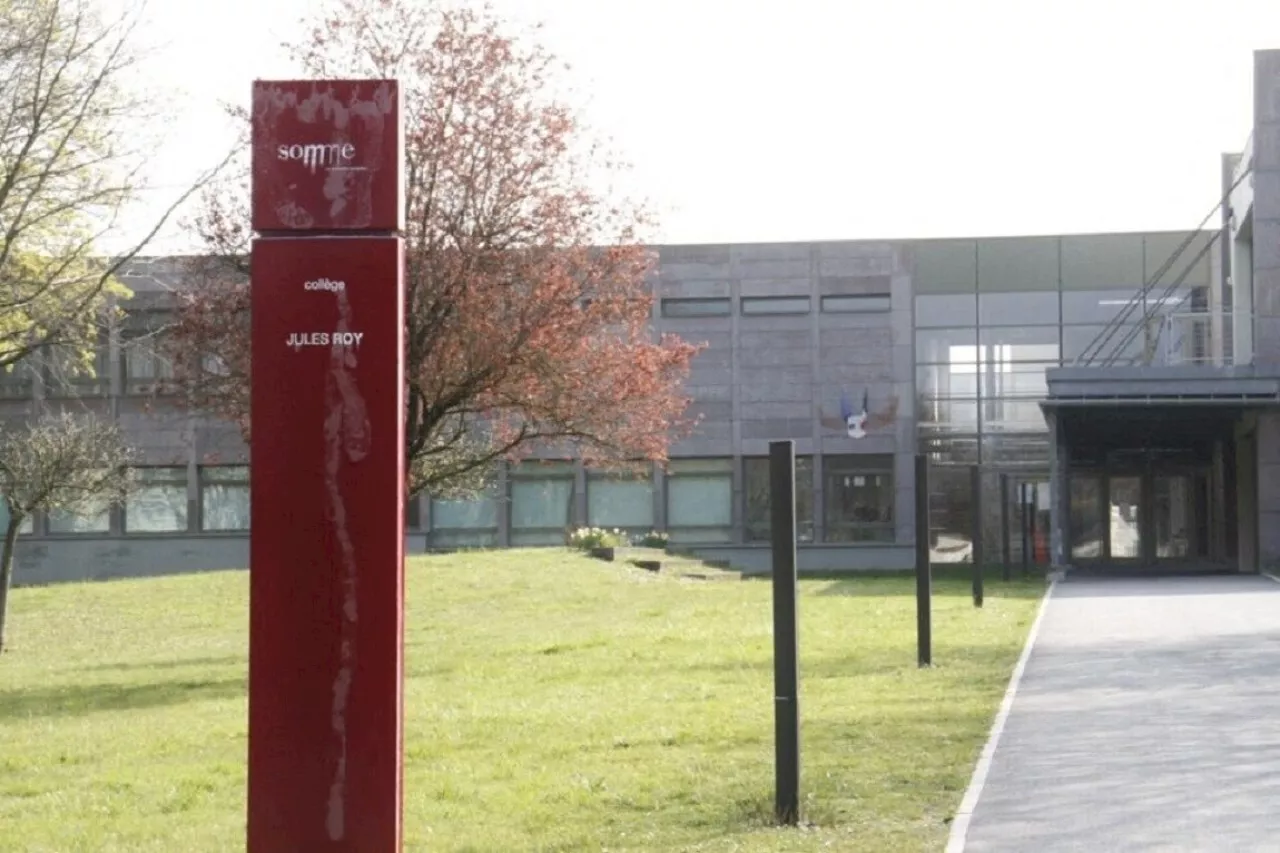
(6, 570)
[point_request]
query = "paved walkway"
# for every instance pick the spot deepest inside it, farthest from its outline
(1147, 718)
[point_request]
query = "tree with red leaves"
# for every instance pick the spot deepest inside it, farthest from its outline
(528, 292)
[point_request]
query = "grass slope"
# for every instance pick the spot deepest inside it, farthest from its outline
(552, 703)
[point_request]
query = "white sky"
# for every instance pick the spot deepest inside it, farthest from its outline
(842, 119)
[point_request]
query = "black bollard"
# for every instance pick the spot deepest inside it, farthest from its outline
(786, 663)
(976, 552)
(924, 578)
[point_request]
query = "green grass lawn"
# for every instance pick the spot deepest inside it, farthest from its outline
(552, 703)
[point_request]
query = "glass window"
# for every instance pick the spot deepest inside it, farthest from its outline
(947, 380)
(1088, 528)
(145, 367)
(1127, 343)
(1017, 449)
(1018, 309)
(412, 515)
(950, 514)
(758, 518)
(159, 503)
(224, 497)
(1019, 343)
(699, 499)
(708, 307)
(859, 496)
(15, 381)
(1012, 415)
(1102, 261)
(1098, 307)
(944, 266)
(91, 519)
(1016, 379)
(1018, 264)
(950, 449)
(622, 501)
(465, 522)
(952, 309)
(948, 415)
(775, 305)
(541, 503)
(947, 346)
(861, 304)
(69, 372)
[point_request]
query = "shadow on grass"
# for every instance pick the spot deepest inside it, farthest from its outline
(178, 663)
(81, 699)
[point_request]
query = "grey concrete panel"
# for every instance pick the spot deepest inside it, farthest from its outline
(749, 339)
(877, 250)
(781, 386)
(712, 411)
(700, 375)
(836, 267)
(798, 286)
(1266, 254)
(776, 357)
(683, 288)
(777, 269)
(745, 254)
(880, 322)
(759, 411)
(851, 375)
(1266, 86)
(1266, 147)
(710, 393)
(760, 446)
(1266, 200)
(776, 429)
(770, 324)
(875, 442)
(694, 253)
(855, 285)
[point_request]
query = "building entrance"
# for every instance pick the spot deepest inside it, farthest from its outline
(1160, 513)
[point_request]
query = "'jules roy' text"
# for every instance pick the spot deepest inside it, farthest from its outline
(324, 339)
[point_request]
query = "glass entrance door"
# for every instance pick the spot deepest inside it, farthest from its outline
(1125, 499)
(1180, 516)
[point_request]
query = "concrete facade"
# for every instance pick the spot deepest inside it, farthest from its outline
(970, 336)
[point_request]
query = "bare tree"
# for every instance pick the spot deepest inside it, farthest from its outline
(68, 462)
(74, 143)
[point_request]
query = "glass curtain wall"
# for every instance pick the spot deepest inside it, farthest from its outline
(991, 316)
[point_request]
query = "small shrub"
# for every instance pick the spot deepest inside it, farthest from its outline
(587, 538)
(653, 539)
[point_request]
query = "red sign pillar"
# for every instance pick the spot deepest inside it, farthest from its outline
(327, 459)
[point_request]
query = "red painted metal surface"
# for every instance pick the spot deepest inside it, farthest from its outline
(326, 156)
(327, 550)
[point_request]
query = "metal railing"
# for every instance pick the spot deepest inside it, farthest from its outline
(1194, 338)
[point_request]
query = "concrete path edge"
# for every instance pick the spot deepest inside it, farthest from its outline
(963, 815)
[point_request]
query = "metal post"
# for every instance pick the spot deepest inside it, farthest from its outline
(1006, 558)
(924, 579)
(786, 666)
(1032, 499)
(976, 552)
(1025, 522)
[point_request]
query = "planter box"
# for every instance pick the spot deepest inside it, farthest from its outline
(605, 554)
